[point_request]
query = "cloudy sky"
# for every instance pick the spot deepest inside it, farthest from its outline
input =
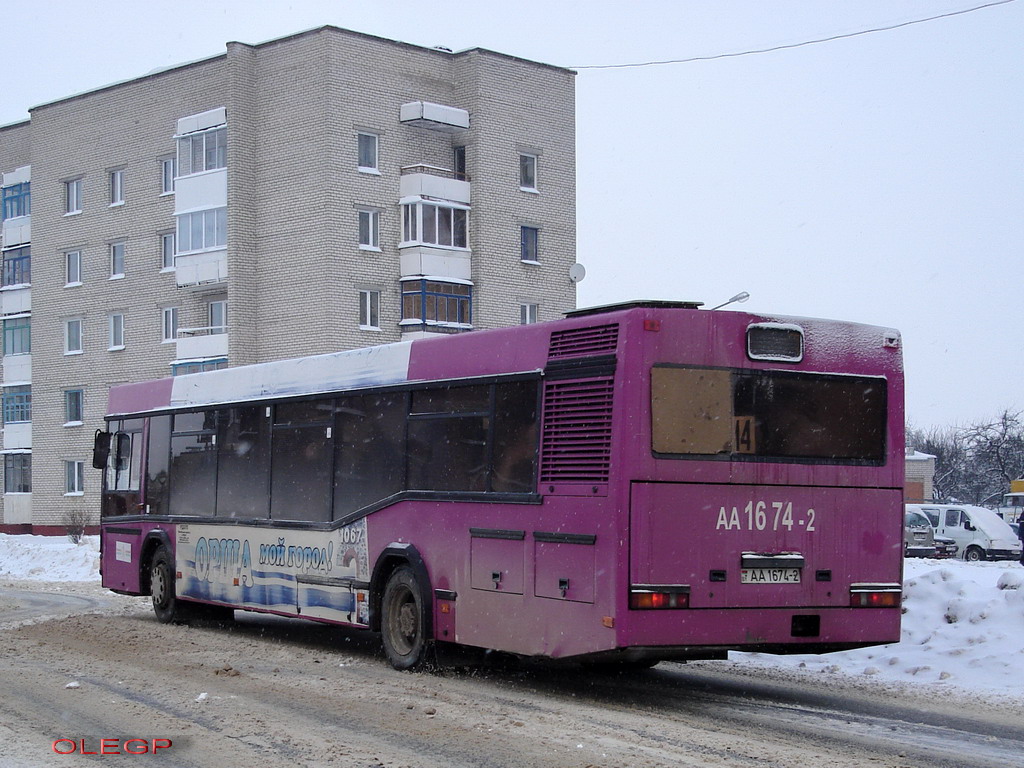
(876, 177)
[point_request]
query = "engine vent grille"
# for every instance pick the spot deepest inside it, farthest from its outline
(775, 341)
(577, 439)
(581, 342)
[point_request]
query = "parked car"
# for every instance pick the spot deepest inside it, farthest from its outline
(945, 547)
(979, 533)
(918, 536)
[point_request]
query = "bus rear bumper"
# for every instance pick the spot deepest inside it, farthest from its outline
(682, 633)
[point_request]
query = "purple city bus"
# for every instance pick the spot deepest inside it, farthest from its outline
(635, 483)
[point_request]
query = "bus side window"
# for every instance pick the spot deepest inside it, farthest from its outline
(447, 449)
(157, 458)
(243, 462)
(300, 463)
(952, 518)
(515, 438)
(370, 452)
(193, 465)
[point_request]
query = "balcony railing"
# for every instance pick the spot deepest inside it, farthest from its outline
(197, 270)
(431, 182)
(199, 343)
(434, 170)
(206, 330)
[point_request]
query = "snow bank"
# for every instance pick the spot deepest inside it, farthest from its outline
(49, 558)
(963, 625)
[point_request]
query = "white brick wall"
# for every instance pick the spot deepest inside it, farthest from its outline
(294, 106)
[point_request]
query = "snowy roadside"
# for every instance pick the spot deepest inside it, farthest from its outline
(963, 623)
(963, 627)
(49, 558)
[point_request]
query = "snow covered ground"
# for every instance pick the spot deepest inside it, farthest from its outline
(963, 623)
(963, 626)
(49, 558)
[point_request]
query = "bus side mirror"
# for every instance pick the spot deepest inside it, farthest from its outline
(968, 525)
(100, 449)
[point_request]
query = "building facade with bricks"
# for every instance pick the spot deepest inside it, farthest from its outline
(319, 192)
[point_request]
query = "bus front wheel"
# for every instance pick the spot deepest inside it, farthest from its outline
(161, 583)
(403, 622)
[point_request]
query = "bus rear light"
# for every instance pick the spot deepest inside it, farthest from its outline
(647, 597)
(876, 596)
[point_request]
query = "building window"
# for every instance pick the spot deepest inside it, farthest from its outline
(170, 323)
(434, 224)
(528, 313)
(168, 170)
(18, 473)
(16, 201)
(218, 316)
(73, 268)
(73, 196)
(432, 302)
(17, 403)
(368, 145)
(18, 266)
(167, 250)
(116, 331)
(529, 244)
(117, 251)
(369, 230)
(17, 335)
(202, 230)
(199, 366)
(369, 310)
(74, 401)
(73, 337)
(205, 151)
(74, 478)
(410, 223)
(528, 172)
(459, 163)
(117, 187)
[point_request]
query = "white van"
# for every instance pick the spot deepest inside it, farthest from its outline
(979, 533)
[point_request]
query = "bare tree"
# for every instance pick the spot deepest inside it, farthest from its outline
(997, 452)
(974, 464)
(74, 521)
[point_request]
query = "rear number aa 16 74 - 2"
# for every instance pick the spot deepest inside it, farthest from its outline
(764, 516)
(770, 576)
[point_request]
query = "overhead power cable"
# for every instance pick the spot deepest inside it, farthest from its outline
(801, 44)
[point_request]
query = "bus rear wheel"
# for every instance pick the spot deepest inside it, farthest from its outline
(403, 623)
(161, 586)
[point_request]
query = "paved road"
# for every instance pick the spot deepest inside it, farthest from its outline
(21, 604)
(272, 692)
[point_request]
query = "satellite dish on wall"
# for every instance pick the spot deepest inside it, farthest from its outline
(577, 272)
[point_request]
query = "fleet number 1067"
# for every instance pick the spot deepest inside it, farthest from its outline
(763, 516)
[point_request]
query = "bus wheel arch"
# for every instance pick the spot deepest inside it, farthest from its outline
(166, 606)
(402, 607)
(150, 546)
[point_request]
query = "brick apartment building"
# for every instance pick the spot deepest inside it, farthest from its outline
(322, 191)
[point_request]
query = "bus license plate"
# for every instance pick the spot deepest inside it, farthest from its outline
(770, 576)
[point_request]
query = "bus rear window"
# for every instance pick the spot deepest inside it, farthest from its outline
(768, 414)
